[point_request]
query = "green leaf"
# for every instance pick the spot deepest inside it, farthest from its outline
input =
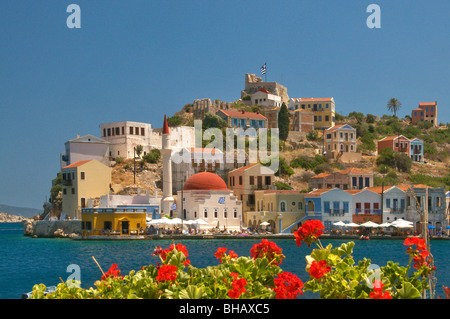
(192, 292)
(320, 254)
(408, 291)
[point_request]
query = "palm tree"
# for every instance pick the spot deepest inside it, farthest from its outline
(394, 105)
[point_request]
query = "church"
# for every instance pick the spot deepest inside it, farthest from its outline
(204, 195)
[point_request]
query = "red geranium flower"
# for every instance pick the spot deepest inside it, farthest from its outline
(269, 250)
(378, 291)
(220, 253)
(167, 273)
(232, 254)
(419, 242)
(164, 252)
(238, 287)
(309, 232)
(318, 269)
(287, 286)
(112, 272)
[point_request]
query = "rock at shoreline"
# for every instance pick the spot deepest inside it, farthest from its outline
(9, 218)
(51, 229)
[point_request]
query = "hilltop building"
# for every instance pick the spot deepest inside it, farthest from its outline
(201, 107)
(265, 99)
(399, 143)
(254, 83)
(427, 111)
(243, 119)
(340, 143)
(323, 109)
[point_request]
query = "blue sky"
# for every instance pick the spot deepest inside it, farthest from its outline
(137, 60)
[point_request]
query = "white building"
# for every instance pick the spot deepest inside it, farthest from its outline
(265, 98)
(336, 206)
(85, 148)
(205, 195)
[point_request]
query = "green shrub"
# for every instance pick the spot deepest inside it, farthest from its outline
(153, 157)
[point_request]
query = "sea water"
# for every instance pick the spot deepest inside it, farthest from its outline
(26, 261)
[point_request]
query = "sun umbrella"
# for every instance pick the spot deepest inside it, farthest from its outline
(402, 225)
(401, 221)
(264, 224)
(431, 227)
(370, 224)
(352, 225)
(340, 223)
(385, 225)
(201, 222)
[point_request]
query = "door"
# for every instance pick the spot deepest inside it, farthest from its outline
(125, 227)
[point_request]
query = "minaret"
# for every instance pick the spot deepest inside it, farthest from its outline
(166, 151)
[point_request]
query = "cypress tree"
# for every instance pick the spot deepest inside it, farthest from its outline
(283, 122)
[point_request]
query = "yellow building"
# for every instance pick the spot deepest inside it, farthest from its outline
(80, 181)
(113, 221)
(281, 209)
(323, 109)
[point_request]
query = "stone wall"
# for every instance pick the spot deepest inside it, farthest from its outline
(52, 229)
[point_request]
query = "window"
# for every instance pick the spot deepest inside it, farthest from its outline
(65, 191)
(225, 213)
(252, 180)
(123, 130)
(367, 182)
(205, 212)
(142, 131)
(300, 205)
(268, 180)
(107, 225)
(82, 176)
(240, 180)
(345, 207)
(109, 132)
(283, 206)
(216, 212)
(293, 203)
(235, 212)
(327, 118)
(131, 130)
(117, 130)
(88, 226)
(104, 132)
(388, 203)
(326, 207)
(327, 105)
(73, 190)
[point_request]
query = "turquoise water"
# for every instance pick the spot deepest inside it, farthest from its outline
(27, 261)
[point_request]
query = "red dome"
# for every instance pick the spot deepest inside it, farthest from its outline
(205, 181)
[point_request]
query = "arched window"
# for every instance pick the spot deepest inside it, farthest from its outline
(283, 206)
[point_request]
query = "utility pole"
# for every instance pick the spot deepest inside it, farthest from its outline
(134, 164)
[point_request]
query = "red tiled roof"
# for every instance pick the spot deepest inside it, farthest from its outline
(354, 170)
(204, 150)
(243, 168)
(322, 175)
(264, 91)
(427, 103)
(76, 164)
(243, 114)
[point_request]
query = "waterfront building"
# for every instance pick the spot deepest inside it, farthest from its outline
(113, 221)
(351, 178)
(244, 181)
(323, 109)
(80, 181)
(85, 148)
(340, 143)
(282, 210)
(206, 196)
(427, 111)
(336, 206)
(366, 206)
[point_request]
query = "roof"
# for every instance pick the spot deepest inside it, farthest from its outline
(243, 168)
(354, 170)
(282, 191)
(243, 114)
(264, 91)
(427, 103)
(333, 128)
(321, 175)
(165, 126)
(389, 138)
(88, 139)
(316, 99)
(205, 181)
(204, 150)
(77, 164)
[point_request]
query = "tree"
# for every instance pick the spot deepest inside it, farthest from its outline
(213, 121)
(394, 105)
(139, 150)
(174, 120)
(283, 122)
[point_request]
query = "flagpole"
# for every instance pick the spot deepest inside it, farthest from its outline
(265, 74)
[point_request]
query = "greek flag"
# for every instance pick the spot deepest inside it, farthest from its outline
(221, 200)
(263, 69)
(173, 207)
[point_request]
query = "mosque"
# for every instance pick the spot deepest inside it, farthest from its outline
(204, 195)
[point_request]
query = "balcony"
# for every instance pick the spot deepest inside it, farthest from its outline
(360, 211)
(395, 210)
(66, 182)
(336, 212)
